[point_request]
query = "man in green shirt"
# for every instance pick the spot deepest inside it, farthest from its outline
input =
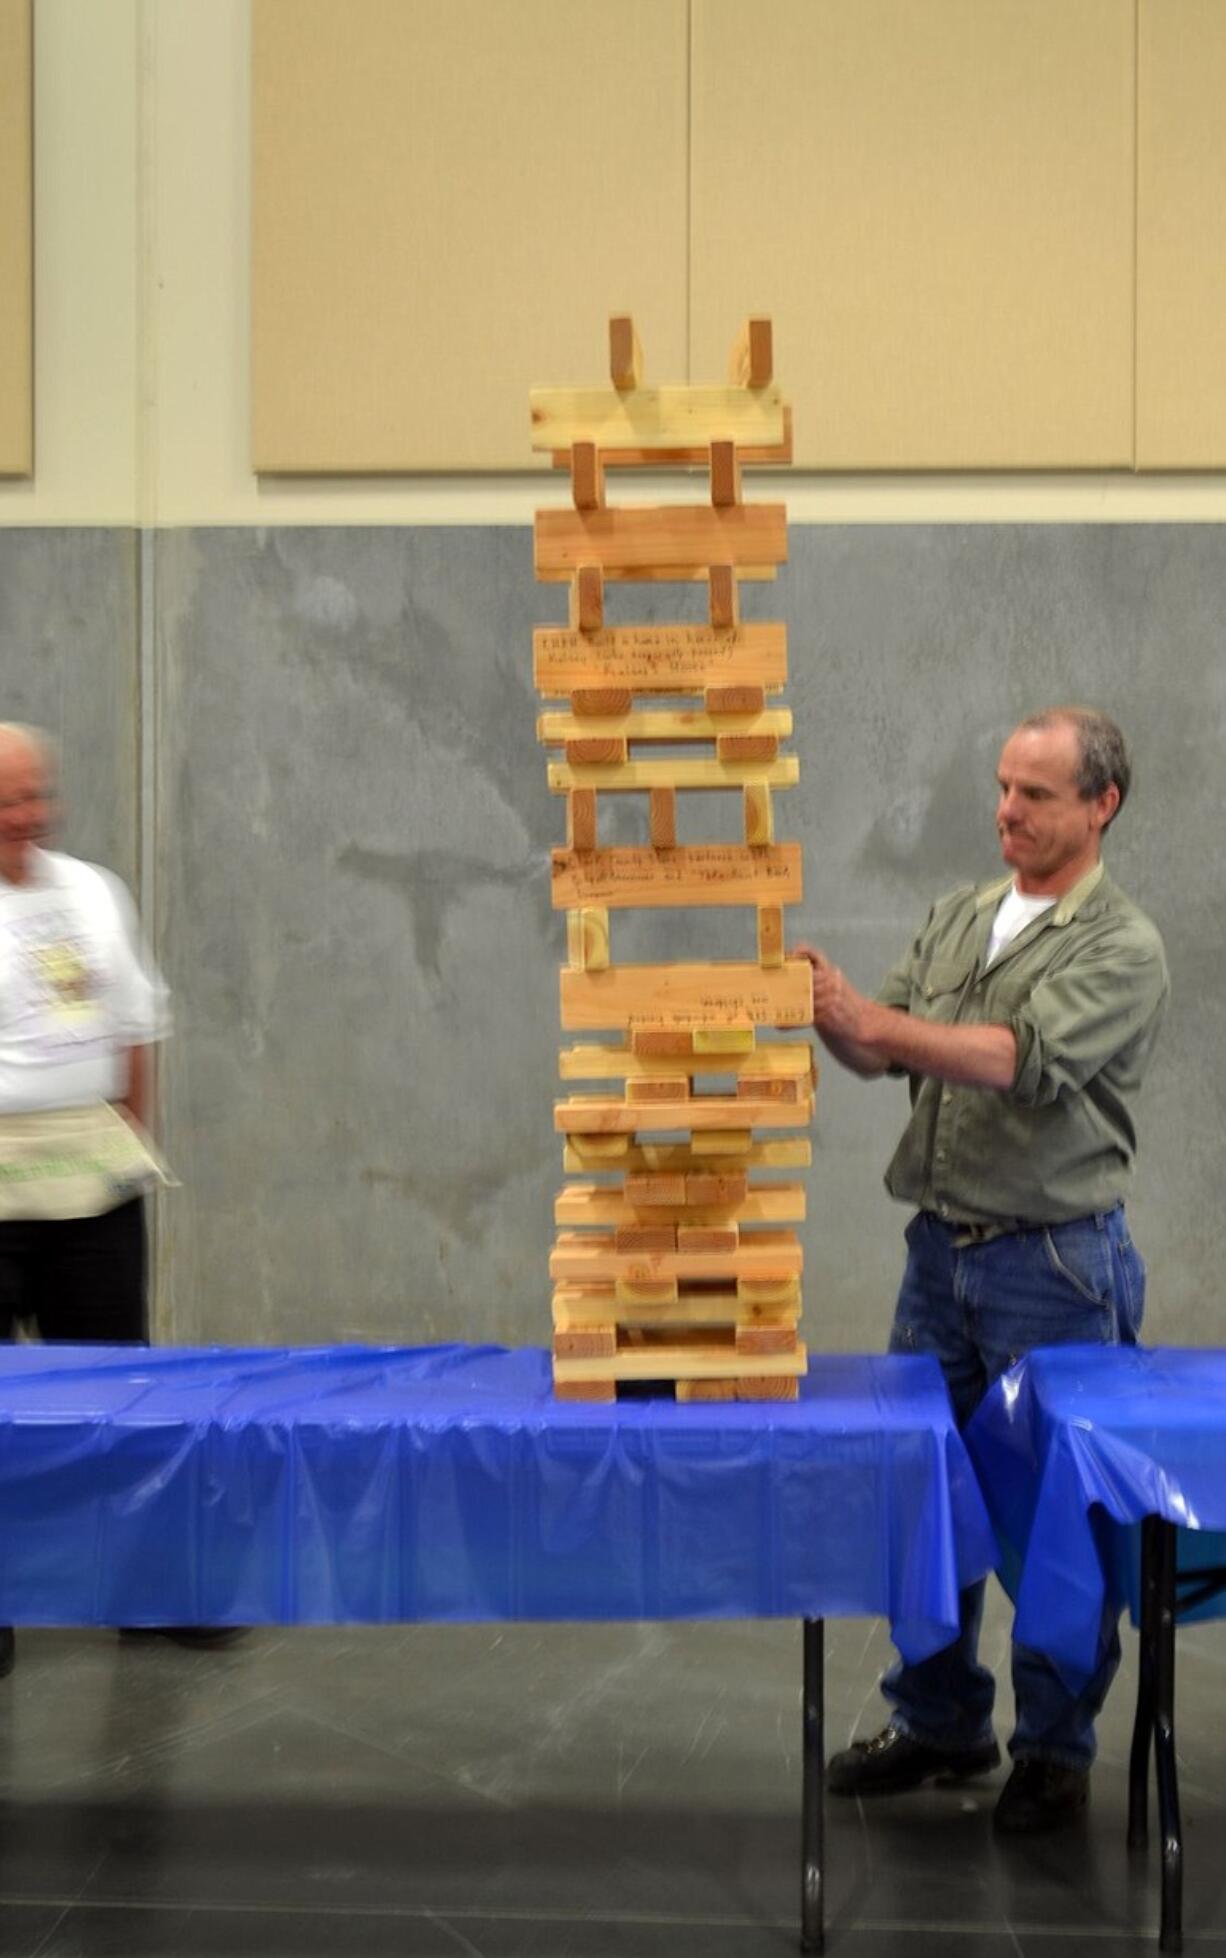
(1024, 1016)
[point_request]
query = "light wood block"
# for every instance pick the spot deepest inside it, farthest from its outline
(657, 1088)
(723, 599)
(760, 1339)
(644, 1190)
(635, 1239)
(611, 1062)
(774, 1152)
(590, 1204)
(584, 1257)
(593, 938)
(651, 419)
(769, 1294)
(656, 1293)
(682, 724)
(608, 1148)
(587, 600)
(688, 996)
(584, 1390)
(669, 538)
(591, 1342)
(750, 454)
(701, 1358)
(759, 815)
(726, 1142)
(678, 773)
(771, 1087)
(718, 1238)
(690, 874)
(751, 364)
(576, 1308)
(667, 658)
(725, 1040)
(770, 934)
(655, 1044)
(746, 747)
(729, 1189)
(603, 750)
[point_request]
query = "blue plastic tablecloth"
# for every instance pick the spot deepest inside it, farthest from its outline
(389, 1484)
(1076, 1439)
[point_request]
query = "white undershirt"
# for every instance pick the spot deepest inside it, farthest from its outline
(1014, 913)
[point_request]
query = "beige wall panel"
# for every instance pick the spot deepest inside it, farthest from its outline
(16, 240)
(449, 198)
(1181, 235)
(934, 198)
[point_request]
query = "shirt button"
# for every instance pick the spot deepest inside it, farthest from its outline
(927, 992)
(940, 1155)
(944, 1209)
(946, 1098)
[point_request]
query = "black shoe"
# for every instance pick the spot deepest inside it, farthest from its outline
(8, 1651)
(891, 1762)
(212, 1638)
(1040, 1795)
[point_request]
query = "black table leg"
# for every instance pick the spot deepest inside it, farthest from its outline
(1143, 1725)
(1171, 1935)
(812, 1934)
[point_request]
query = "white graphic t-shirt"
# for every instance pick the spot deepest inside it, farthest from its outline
(76, 990)
(1013, 915)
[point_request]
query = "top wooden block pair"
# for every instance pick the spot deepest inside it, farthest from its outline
(633, 425)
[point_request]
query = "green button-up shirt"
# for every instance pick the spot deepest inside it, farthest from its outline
(1083, 988)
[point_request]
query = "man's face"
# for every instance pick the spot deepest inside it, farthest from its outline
(27, 804)
(1049, 832)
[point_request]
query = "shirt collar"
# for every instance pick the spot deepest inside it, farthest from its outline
(1065, 908)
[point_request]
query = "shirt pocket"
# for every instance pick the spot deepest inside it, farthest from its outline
(936, 991)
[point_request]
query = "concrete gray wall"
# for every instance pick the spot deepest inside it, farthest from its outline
(350, 842)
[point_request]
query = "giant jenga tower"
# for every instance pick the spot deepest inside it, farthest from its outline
(674, 1259)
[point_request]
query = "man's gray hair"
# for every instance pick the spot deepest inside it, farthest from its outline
(1102, 752)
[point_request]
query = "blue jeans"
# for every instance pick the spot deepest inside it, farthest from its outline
(977, 1307)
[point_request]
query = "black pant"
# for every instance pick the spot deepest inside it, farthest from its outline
(81, 1278)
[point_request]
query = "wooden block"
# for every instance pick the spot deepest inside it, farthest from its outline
(590, 1342)
(629, 1292)
(588, 1204)
(763, 454)
(591, 1257)
(652, 419)
(770, 934)
(599, 703)
(574, 941)
(725, 475)
(688, 996)
(625, 353)
(706, 1390)
(716, 1142)
(587, 599)
(768, 1292)
(645, 1237)
(586, 477)
(664, 659)
(773, 1152)
(601, 751)
(710, 1188)
(649, 1190)
(746, 747)
(734, 700)
(689, 874)
(589, 1114)
(664, 1087)
(723, 600)
(759, 815)
(601, 1148)
(661, 1043)
(615, 1060)
(581, 821)
(770, 1387)
(771, 1087)
(751, 363)
(594, 938)
(726, 1040)
(681, 773)
(708, 1237)
(674, 538)
(670, 725)
(584, 1390)
(764, 1339)
(663, 819)
(686, 1355)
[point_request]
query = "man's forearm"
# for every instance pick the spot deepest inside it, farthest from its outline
(974, 1057)
(849, 1053)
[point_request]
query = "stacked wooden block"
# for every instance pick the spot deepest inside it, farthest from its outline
(674, 1260)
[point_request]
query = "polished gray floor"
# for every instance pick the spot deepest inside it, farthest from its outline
(530, 1792)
